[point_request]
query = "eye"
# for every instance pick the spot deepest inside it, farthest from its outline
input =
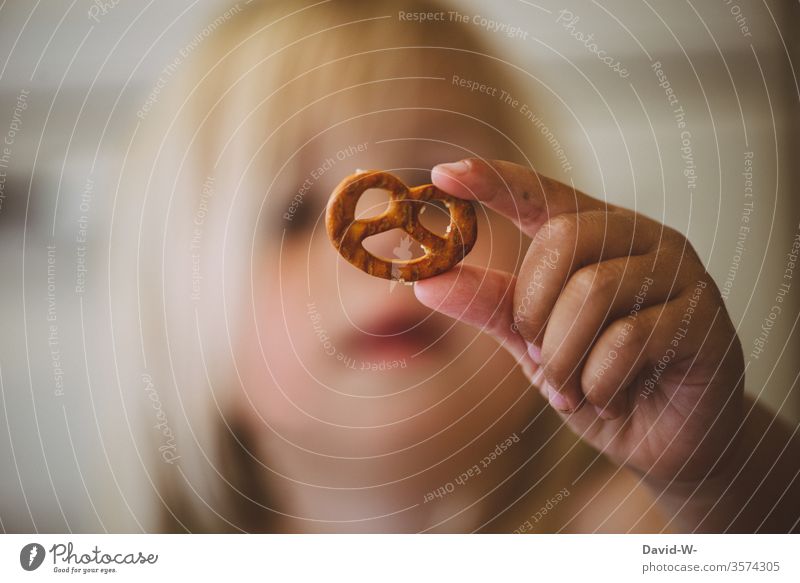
(301, 213)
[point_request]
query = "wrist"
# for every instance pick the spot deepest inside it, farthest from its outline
(760, 459)
(721, 475)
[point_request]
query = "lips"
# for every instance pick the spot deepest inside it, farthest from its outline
(396, 335)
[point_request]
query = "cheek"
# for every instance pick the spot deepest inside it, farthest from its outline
(294, 329)
(274, 338)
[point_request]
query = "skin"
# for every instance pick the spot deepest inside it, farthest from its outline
(577, 320)
(346, 447)
(353, 450)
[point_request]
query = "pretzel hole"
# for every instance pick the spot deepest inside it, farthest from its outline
(372, 203)
(435, 216)
(393, 245)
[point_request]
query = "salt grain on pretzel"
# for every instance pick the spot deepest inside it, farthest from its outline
(405, 205)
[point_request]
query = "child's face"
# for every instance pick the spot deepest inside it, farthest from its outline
(331, 348)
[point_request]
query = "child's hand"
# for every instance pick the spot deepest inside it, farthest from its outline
(612, 316)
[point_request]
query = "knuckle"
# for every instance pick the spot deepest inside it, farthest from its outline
(629, 336)
(686, 253)
(584, 280)
(594, 281)
(555, 369)
(688, 262)
(670, 270)
(672, 236)
(561, 230)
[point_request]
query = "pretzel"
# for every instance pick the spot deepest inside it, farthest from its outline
(405, 205)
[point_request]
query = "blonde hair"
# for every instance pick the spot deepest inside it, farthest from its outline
(200, 167)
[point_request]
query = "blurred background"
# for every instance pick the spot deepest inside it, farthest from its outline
(73, 75)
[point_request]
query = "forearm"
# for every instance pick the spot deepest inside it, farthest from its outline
(758, 489)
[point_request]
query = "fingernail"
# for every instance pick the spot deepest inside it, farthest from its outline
(557, 400)
(453, 168)
(535, 353)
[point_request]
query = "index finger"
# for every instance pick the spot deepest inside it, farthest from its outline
(526, 197)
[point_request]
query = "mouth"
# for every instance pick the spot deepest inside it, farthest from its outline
(396, 336)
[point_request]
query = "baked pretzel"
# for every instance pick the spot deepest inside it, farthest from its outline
(405, 204)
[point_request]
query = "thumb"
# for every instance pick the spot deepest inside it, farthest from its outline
(518, 193)
(482, 298)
